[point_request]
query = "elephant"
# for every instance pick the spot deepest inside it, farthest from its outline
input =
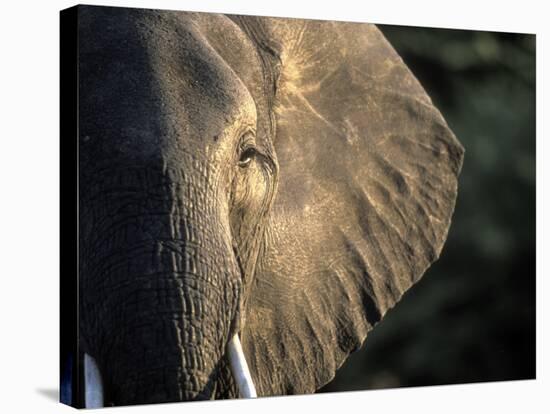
(254, 195)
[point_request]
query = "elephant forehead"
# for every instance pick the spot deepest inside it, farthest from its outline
(157, 83)
(192, 76)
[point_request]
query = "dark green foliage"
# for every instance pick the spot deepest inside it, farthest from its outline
(472, 317)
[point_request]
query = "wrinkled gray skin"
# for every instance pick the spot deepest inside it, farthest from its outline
(281, 178)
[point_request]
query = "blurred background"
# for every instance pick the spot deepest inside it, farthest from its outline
(472, 317)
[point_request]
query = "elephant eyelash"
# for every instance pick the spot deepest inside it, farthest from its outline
(246, 149)
(246, 157)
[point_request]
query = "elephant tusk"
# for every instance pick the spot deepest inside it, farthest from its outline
(93, 386)
(239, 368)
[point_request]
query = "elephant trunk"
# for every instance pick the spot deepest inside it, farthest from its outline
(160, 286)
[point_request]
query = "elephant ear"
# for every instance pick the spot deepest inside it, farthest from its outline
(367, 186)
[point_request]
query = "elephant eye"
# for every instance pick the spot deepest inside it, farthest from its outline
(246, 157)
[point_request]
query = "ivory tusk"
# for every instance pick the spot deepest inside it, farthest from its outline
(93, 387)
(239, 368)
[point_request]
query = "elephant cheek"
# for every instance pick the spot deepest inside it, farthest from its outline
(159, 287)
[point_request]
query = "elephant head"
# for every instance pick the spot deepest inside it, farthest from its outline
(282, 180)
